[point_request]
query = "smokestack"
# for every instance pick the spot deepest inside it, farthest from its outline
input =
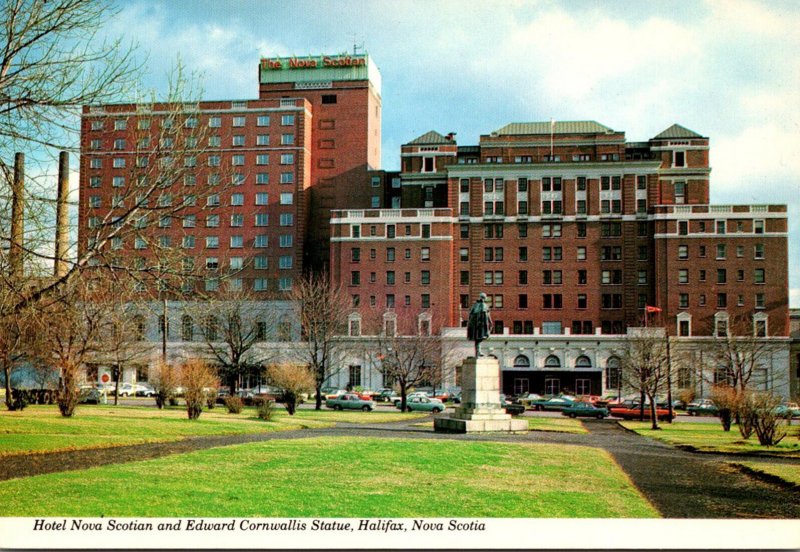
(17, 218)
(62, 216)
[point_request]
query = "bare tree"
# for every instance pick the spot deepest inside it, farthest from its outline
(53, 61)
(645, 365)
(294, 380)
(76, 326)
(322, 310)
(410, 356)
(738, 351)
(231, 324)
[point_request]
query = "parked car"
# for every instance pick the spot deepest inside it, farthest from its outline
(585, 409)
(702, 407)
(631, 411)
(90, 395)
(425, 404)
(553, 403)
(350, 401)
(107, 388)
(385, 395)
(397, 399)
(126, 390)
(788, 410)
(515, 409)
(144, 390)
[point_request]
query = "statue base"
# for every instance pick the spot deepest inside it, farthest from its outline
(480, 409)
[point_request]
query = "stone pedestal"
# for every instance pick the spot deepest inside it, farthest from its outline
(480, 409)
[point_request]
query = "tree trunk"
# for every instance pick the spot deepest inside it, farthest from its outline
(318, 402)
(7, 373)
(116, 385)
(653, 413)
(402, 397)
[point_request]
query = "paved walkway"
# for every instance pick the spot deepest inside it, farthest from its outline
(679, 484)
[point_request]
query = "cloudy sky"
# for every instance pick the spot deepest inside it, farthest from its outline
(729, 70)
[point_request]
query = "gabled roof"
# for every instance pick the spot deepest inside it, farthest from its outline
(430, 137)
(559, 127)
(677, 131)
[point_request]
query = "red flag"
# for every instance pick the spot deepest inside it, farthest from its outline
(650, 309)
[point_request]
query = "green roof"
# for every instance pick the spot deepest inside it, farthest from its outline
(677, 131)
(430, 137)
(557, 127)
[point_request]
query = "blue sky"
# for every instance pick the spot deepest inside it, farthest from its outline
(729, 70)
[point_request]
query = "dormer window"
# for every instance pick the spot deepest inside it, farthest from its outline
(428, 165)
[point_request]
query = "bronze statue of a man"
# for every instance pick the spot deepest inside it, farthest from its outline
(479, 323)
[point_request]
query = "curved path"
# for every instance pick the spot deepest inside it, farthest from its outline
(679, 484)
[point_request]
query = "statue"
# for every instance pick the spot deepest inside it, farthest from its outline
(479, 323)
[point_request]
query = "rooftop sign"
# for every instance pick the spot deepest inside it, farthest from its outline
(307, 70)
(271, 64)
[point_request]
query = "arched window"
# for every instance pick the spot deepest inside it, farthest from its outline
(522, 362)
(583, 362)
(613, 373)
(285, 328)
(211, 329)
(552, 362)
(187, 328)
(139, 327)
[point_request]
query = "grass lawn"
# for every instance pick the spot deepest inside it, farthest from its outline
(343, 477)
(711, 438)
(788, 472)
(42, 428)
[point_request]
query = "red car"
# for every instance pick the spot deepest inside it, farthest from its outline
(631, 411)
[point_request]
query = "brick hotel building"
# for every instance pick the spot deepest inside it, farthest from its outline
(570, 229)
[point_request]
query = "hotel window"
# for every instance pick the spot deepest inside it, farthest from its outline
(286, 219)
(215, 122)
(390, 254)
(580, 228)
(463, 254)
(679, 159)
(683, 276)
(118, 181)
(680, 192)
(287, 198)
(287, 178)
(188, 242)
(189, 221)
(96, 163)
(702, 300)
(119, 144)
(260, 262)
(95, 202)
(262, 159)
(238, 140)
(425, 254)
(523, 254)
(97, 125)
(213, 161)
(683, 227)
(580, 184)
(722, 276)
(683, 251)
(212, 284)
(758, 251)
(464, 185)
(237, 242)
(259, 284)
(262, 140)
(120, 124)
(237, 160)
(463, 208)
(722, 300)
(118, 163)
(94, 144)
(237, 220)
(237, 199)
(390, 230)
(760, 300)
(740, 251)
(758, 226)
(426, 230)
(262, 120)
(683, 301)
(425, 277)
(286, 240)
(262, 178)
(238, 121)
(581, 253)
(759, 276)
(642, 277)
(641, 182)
(262, 198)
(522, 185)
(285, 262)
(551, 207)
(165, 221)
(212, 242)
(284, 284)
(287, 139)
(262, 219)
(582, 277)
(287, 158)
(740, 301)
(428, 164)
(721, 226)
(261, 240)
(522, 277)
(287, 120)
(721, 251)
(234, 284)
(580, 207)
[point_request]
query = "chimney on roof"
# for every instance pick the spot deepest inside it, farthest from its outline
(451, 136)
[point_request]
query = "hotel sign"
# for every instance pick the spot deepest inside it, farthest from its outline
(270, 64)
